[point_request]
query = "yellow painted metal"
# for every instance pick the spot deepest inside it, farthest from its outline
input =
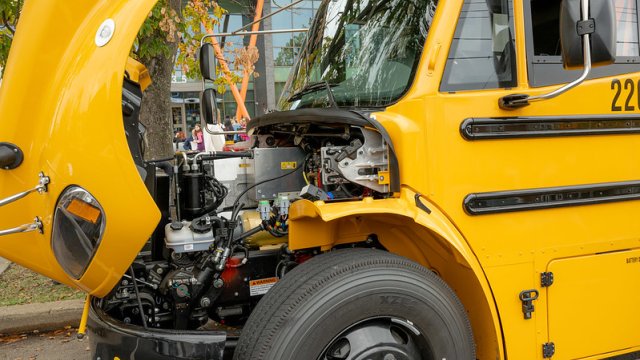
(82, 328)
(401, 227)
(514, 248)
(61, 94)
(60, 102)
(138, 73)
(383, 178)
(511, 249)
(603, 323)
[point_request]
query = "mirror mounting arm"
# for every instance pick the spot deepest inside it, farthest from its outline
(584, 28)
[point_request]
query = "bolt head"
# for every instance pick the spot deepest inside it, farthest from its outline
(105, 32)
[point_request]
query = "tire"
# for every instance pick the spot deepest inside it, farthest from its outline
(331, 307)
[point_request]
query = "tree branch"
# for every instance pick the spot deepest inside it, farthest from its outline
(5, 21)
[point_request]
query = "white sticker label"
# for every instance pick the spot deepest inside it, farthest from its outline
(188, 247)
(261, 286)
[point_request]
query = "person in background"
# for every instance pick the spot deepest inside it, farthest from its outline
(214, 142)
(236, 127)
(187, 143)
(242, 125)
(198, 137)
(179, 137)
(178, 140)
(228, 126)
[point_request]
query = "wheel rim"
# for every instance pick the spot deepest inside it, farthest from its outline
(384, 338)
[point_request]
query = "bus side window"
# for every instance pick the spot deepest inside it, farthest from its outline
(482, 54)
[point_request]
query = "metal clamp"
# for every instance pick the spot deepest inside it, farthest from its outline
(35, 225)
(41, 188)
(527, 297)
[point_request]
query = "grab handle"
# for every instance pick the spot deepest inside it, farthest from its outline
(35, 225)
(40, 188)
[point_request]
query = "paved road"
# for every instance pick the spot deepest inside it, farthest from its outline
(58, 345)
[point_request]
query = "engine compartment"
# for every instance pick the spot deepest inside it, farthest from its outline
(223, 245)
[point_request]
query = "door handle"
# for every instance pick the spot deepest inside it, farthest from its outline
(40, 188)
(10, 156)
(432, 59)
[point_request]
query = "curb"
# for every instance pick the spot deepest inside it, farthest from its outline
(41, 317)
(4, 264)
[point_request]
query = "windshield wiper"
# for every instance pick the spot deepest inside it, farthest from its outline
(315, 86)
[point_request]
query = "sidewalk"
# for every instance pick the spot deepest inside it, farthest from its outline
(43, 316)
(4, 264)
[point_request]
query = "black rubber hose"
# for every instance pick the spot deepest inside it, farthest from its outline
(135, 288)
(226, 155)
(246, 234)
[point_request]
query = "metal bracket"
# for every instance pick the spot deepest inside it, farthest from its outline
(35, 225)
(420, 204)
(527, 297)
(41, 188)
(586, 27)
(546, 279)
(548, 350)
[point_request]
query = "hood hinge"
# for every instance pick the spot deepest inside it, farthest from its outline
(548, 349)
(546, 279)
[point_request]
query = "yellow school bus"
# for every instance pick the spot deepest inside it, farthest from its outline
(452, 179)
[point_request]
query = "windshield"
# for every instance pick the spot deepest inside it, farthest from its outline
(359, 53)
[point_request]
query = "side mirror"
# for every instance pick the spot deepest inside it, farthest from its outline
(580, 20)
(602, 29)
(208, 107)
(207, 62)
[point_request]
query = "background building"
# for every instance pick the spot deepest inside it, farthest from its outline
(277, 55)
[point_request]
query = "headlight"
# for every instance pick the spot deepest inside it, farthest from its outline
(78, 226)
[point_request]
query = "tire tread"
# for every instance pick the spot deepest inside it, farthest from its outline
(303, 281)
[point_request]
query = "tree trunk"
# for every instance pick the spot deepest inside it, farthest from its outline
(155, 112)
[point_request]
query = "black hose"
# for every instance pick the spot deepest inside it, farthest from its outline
(246, 234)
(135, 288)
(219, 191)
(237, 205)
(229, 208)
(226, 155)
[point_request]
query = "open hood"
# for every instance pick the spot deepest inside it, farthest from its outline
(60, 107)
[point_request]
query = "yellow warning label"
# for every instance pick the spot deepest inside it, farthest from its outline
(288, 165)
(244, 165)
(261, 286)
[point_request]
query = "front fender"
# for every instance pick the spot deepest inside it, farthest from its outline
(319, 218)
(411, 226)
